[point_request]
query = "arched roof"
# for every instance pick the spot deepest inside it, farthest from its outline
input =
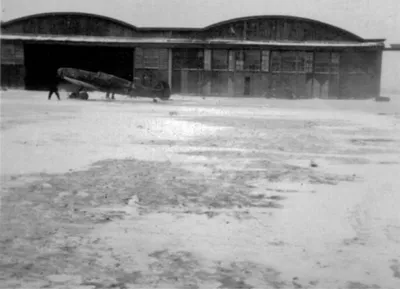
(44, 15)
(131, 27)
(295, 18)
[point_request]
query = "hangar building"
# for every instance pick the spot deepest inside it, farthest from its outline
(254, 56)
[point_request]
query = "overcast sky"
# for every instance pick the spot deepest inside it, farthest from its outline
(367, 18)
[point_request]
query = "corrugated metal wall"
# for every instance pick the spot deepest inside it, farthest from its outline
(287, 74)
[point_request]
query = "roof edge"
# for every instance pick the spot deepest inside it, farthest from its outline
(26, 17)
(162, 40)
(276, 16)
(232, 20)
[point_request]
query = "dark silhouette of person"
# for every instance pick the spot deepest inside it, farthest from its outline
(53, 86)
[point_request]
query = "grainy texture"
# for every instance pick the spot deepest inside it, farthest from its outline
(194, 193)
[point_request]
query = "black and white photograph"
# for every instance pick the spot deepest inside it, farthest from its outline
(200, 144)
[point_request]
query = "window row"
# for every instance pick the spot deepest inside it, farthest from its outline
(239, 60)
(275, 61)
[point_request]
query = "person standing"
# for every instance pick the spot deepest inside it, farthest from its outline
(53, 87)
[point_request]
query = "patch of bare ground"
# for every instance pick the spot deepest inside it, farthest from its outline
(395, 267)
(291, 136)
(362, 141)
(359, 285)
(275, 171)
(43, 223)
(182, 270)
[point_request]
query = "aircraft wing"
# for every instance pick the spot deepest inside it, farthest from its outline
(82, 83)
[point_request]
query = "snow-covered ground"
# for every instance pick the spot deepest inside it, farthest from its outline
(199, 193)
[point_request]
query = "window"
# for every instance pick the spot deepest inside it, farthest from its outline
(288, 61)
(252, 29)
(335, 63)
(305, 62)
(264, 29)
(292, 62)
(139, 57)
(252, 60)
(7, 51)
(12, 53)
(231, 60)
(276, 61)
(236, 30)
(191, 58)
(151, 58)
(207, 59)
(309, 62)
(239, 60)
(265, 60)
(219, 59)
(322, 62)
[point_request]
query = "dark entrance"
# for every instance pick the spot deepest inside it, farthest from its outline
(247, 85)
(43, 60)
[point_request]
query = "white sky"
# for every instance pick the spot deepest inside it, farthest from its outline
(366, 18)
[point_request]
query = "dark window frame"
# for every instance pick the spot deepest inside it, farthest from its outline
(183, 59)
(226, 67)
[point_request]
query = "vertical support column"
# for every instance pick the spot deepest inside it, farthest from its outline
(207, 71)
(138, 59)
(184, 81)
(313, 75)
(133, 65)
(170, 67)
(297, 75)
(231, 69)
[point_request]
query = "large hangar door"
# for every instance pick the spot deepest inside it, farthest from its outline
(43, 60)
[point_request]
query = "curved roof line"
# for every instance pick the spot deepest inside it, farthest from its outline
(130, 26)
(127, 25)
(281, 16)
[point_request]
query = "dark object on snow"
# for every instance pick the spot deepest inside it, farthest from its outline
(313, 164)
(382, 98)
(53, 87)
(111, 84)
(79, 95)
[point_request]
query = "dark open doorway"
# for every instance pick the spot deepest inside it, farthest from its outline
(43, 60)
(246, 85)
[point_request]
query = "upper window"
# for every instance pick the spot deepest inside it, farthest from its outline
(239, 60)
(265, 60)
(220, 59)
(190, 58)
(335, 63)
(292, 62)
(288, 61)
(151, 58)
(305, 62)
(276, 61)
(252, 29)
(252, 60)
(322, 62)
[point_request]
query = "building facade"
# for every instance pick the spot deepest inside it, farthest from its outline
(277, 56)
